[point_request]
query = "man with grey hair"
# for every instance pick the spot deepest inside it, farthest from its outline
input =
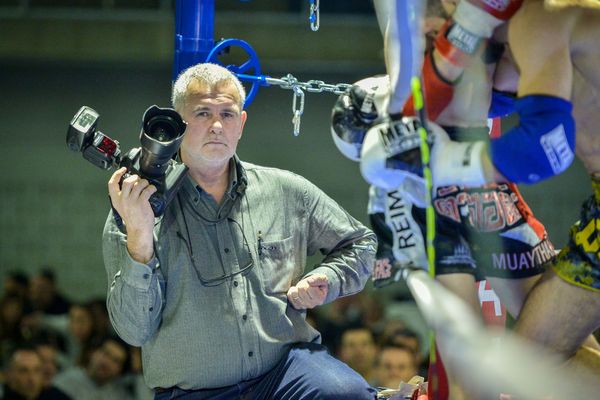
(215, 291)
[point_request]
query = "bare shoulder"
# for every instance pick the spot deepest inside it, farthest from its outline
(535, 17)
(540, 42)
(586, 103)
(585, 46)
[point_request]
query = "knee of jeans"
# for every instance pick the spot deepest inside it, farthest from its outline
(344, 389)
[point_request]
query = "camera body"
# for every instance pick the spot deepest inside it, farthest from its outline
(160, 137)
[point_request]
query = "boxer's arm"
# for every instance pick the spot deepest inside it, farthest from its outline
(539, 40)
(542, 145)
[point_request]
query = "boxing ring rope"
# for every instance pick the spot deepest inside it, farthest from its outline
(511, 366)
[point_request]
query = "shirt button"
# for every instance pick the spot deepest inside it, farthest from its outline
(151, 308)
(146, 276)
(235, 283)
(244, 317)
(226, 250)
(250, 354)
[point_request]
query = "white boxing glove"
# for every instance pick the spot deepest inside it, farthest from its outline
(455, 163)
(355, 111)
(391, 158)
(391, 153)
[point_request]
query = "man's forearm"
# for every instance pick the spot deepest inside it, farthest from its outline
(136, 291)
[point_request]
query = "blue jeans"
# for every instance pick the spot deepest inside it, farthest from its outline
(307, 372)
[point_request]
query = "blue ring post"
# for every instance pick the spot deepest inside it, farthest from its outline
(194, 32)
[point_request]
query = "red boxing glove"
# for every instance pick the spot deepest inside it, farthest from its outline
(501, 9)
(473, 22)
(481, 17)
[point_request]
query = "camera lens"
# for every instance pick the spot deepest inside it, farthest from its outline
(162, 132)
(162, 128)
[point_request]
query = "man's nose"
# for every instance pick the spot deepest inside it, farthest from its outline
(217, 125)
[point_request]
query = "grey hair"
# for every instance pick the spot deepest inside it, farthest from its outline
(204, 73)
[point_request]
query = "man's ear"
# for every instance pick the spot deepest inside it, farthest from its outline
(244, 116)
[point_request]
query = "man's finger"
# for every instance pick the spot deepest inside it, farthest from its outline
(138, 187)
(305, 295)
(127, 185)
(293, 296)
(113, 182)
(147, 192)
(317, 280)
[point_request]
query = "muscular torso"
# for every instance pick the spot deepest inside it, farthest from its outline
(585, 54)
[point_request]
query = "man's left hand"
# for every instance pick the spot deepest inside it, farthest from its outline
(309, 292)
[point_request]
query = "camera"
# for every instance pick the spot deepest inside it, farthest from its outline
(160, 138)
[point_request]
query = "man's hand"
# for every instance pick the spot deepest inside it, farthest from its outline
(309, 292)
(130, 200)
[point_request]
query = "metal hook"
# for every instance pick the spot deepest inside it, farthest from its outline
(314, 17)
(297, 111)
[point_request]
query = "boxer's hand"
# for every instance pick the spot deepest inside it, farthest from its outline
(392, 152)
(481, 17)
(309, 292)
(472, 23)
(455, 163)
(355, 111)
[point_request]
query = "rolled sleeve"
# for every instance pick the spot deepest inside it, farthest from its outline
(136, 291)
(349, 246)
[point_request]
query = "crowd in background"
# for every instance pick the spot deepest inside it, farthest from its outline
(54, 348)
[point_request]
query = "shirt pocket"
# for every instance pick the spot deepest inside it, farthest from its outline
(278, 265)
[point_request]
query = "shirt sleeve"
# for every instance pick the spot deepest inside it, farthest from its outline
(136, 291)
(349, 246)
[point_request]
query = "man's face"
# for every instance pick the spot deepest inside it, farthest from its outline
(107, 362)
(395, 366)
(215, 124)
(48, 355)
(25, 375)
(358, 349)
(41, 291)
(81, 324)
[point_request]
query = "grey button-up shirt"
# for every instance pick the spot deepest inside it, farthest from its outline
(210, 309)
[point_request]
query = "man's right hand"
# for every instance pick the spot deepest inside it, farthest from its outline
(130, 198)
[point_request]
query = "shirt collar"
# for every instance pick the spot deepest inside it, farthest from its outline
(237, 179)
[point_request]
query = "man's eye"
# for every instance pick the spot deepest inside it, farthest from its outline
(202, 114)
(227, 115)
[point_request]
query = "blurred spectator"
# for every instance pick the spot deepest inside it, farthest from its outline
(44, 295)
(51, 348)
(102, 378)
(358, 350)
(395, 363)
(16, 284)
(102, 325)
(82, 334)
(397, 334)
(25, 379)
(12, 311)
(362, 309)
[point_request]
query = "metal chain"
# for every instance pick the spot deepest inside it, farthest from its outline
(314, 17)
(312, 86)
